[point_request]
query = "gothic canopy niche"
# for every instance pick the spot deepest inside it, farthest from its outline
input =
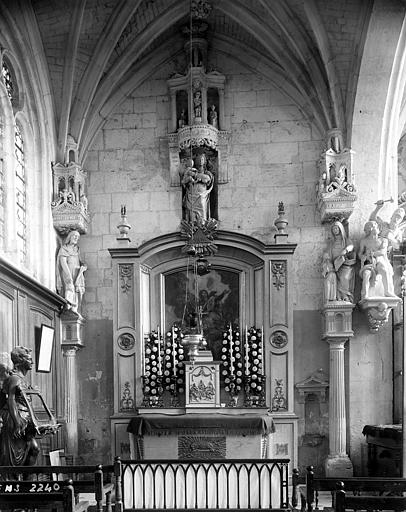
(69, 205)
(336, 191)
(197, 106)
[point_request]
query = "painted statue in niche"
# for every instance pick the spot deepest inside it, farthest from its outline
(376, 271)
(198, 183)
(338, 266)
(70, 272)
(215, 296)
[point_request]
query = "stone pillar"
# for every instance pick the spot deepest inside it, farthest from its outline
(204, 105)
(338, 463)
(222, 118)
(72, 327)
(173, 111)
(71, 401)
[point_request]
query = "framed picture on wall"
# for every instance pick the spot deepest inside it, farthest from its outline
(45, 345)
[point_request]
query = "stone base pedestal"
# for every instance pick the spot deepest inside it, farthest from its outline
(338, 466)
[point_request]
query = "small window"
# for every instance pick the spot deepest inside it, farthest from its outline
(8, 81)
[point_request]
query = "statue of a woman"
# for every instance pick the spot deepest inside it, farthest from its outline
(213, 118)
(198, 183)
(70, 278)
(18, 446)
(342, 258)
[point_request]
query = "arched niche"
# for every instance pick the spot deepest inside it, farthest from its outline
(232, 292)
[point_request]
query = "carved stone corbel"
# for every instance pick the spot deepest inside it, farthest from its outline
(378, 310)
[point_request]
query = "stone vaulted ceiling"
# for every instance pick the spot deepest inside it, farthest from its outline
(99, 51)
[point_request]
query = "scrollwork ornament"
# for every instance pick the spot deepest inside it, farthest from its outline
(126, 341)
(127, 400)
(126, 274)
(279, 339)
(279, 274)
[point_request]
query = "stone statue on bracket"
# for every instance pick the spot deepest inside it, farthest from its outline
(392, 230)
(70, 272)
(376, 270)
(338, 266)
(198, 183)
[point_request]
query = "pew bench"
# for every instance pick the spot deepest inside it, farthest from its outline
(345, 501)
(309, 491)
(95, 480)
(48, 495)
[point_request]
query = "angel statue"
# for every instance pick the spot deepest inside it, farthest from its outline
(392, 230)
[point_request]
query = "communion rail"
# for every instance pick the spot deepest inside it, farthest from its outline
(196, 484)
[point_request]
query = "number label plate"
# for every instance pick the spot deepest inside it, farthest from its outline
(29, 487)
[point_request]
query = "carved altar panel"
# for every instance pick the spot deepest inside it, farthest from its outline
(126, 380)
(278, 312)
(125, 296)
(202, 384)
(201, 447)
(279, 382)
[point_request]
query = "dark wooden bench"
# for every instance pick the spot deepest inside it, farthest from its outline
(49, 495)
(345, 501)
(97, 480)
(309, 491)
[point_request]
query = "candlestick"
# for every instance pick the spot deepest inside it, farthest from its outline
(174, 352)
(262, 351)
(231, 351)
(159, 352)
(246, 351)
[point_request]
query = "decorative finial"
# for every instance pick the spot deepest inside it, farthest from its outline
(281, 222)
(124, 227)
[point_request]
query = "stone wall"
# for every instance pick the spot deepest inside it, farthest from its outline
(272, 157)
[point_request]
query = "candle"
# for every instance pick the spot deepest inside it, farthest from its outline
(231, 351)
(159, 352)
(174, 351)
(246, 351)
(262, 351)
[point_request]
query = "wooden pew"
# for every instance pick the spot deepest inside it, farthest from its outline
(85, 479)
(49, 495)
(309, 492)
(345, 501)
